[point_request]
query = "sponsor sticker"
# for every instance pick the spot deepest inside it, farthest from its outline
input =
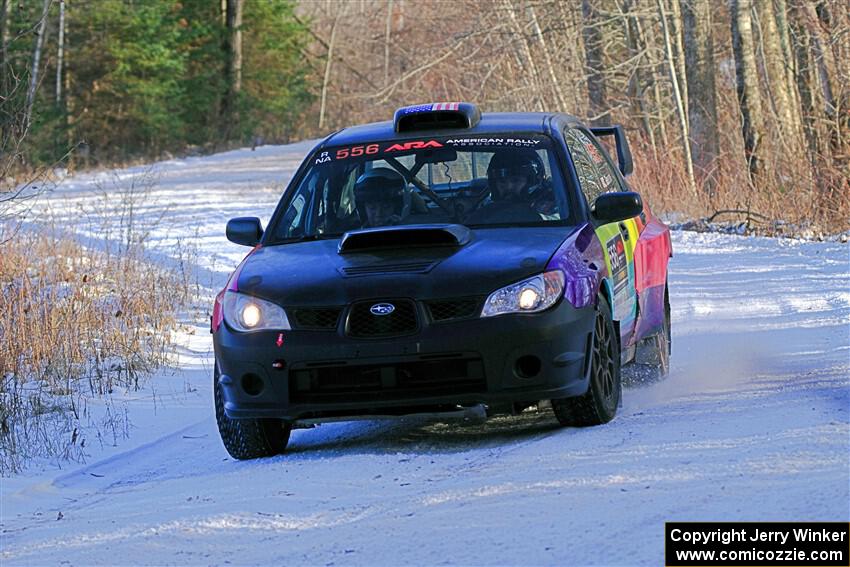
(516, 142)
(619, 271)
(417, 145)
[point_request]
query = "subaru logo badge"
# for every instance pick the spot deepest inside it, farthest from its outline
(382, 308)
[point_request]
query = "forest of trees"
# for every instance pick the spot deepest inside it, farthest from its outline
(741, 105)
(112, 80)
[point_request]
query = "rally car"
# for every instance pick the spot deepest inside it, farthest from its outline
(446, 262)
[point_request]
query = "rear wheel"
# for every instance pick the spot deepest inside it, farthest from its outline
(249, 438)
(599, 404)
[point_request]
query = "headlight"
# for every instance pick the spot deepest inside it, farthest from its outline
(528, 296)
(245, 313)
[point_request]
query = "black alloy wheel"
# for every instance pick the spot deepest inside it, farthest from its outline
(599, 404)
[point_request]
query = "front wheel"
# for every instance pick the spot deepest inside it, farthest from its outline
(599, 404)
(249, 438)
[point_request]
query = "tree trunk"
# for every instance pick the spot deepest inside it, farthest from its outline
(637, 52)
(833, 94)
(36, 62)
(824, 83)
(678, 99)
(594, 61)
(807, 87)
(676, 26)
(787, 52)
(327, 77)
(233, 66)
(5, 8)
(60, 53)
(787, 115)
(647, 44)
(528, 59)
(387, 34)
(550, 68)
(574, 55)
(746, 74)
(702, 97)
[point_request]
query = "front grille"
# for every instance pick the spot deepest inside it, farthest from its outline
(375, 269)
(316, 318)
(444, 376)
(362, 323)
(450, 309)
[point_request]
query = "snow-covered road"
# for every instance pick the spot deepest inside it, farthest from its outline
(751, 425)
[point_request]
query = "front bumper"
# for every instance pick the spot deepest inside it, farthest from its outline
(496, 361)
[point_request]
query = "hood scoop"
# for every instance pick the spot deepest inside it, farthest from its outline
(419, 235)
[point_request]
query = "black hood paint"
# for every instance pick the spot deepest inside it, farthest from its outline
(312, 273)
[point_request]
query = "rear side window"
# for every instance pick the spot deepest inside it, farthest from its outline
(607, 174)
(588, 176)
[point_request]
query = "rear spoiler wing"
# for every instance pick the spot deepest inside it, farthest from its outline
(624, 154)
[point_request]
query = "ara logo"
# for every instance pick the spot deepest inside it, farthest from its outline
(418, 145)
(382, 308)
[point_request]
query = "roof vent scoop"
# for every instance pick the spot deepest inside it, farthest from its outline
(436, 116)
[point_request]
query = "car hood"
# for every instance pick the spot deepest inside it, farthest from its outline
(314, 273)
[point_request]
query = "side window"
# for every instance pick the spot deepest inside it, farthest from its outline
(607, 174)
(292, 224)
(346, 199)
(588, 177)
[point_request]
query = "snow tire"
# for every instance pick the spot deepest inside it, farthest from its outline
(599, 404)
(249, 438)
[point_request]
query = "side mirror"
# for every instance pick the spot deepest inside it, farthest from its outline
(246, 231)
(614, 207)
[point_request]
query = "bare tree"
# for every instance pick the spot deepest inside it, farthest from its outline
(560, 103)
(702, 93)
(678, 98)
(233, 70)
(60, 52)
(387, 35)
(746, 73)
(328, 63)
(5, 8)
(594, 62)
(779, 90)
(637, 81)
(36, 61)
(527, 58)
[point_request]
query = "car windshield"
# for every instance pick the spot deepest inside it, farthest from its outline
(501, 180)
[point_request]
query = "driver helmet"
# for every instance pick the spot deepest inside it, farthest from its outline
(380, 185)
(511, 163)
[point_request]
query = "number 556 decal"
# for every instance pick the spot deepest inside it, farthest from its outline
(355, 151)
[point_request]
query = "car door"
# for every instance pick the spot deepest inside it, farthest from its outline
(597, 175)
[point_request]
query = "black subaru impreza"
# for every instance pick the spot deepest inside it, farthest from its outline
(445, 263)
